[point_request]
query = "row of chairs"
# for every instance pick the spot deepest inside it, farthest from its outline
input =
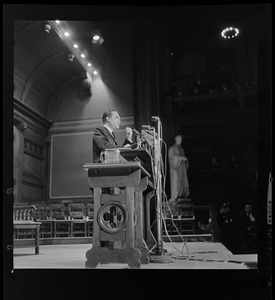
(64, 212)
(180, 218)
(60, 220)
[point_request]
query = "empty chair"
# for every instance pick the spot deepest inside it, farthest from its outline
(186, 217)
(90, 218)
(43, 215)
(77, 216)
(24, 213)
(59, 215)
(180, 218)
(24, 225)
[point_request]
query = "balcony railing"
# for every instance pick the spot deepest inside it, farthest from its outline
(228, 102)
(214, 178)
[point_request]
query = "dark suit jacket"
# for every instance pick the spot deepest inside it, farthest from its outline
(127, 142)
(102, 139)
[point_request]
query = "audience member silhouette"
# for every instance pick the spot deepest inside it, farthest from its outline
(228, 227)
(248, 234)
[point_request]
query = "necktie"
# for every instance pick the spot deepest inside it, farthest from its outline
(113, 136)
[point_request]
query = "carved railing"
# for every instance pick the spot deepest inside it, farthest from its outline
(216, 178)
(209, 186)
(199, 105)
(23, 212)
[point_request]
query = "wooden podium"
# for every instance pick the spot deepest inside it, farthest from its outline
(119, 223)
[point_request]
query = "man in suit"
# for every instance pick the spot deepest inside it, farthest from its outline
(104, 137)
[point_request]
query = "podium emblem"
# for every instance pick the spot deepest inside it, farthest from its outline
(112, 217)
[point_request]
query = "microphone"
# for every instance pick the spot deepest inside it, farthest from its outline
(138, 138)
(150, 132)
(146, 127)
(135, 131)
(155, 119)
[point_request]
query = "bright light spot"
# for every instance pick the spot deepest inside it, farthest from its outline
(66, 33)
(89, 64)
(230, 32)
(96, 37)
(82, 55)
(95, 72)
(57, 21)
(75, 46)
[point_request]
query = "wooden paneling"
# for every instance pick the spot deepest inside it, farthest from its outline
(33, 175)
(33, 166)
(69, 152)
(252, 155)
(37, 102)
(31, 193)
(32, 157)
(38, 72)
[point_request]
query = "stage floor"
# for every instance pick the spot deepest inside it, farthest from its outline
(186, 255)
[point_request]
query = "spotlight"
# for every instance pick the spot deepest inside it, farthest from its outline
(47, 28)
(70, 57)
(97, 38)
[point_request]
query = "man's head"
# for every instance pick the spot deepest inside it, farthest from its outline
(225, 208)
(248, 208)
(178, 139)
(111, 118)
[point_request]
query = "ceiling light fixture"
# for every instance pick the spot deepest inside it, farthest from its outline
(229, 32)
(70, 57)
(47, 28)
(97, 38)
(72, 45)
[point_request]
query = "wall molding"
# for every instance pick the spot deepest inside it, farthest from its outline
(33, 149)
(24, 113)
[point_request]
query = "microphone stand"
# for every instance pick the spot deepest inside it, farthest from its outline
(159, 256)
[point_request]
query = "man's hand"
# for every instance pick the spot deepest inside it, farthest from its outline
(129, 133)
(127, 146)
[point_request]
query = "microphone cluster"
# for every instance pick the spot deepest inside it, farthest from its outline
(155, 119)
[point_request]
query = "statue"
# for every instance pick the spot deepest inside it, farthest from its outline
(179, 165)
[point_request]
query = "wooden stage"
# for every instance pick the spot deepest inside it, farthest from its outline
(186, 255)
